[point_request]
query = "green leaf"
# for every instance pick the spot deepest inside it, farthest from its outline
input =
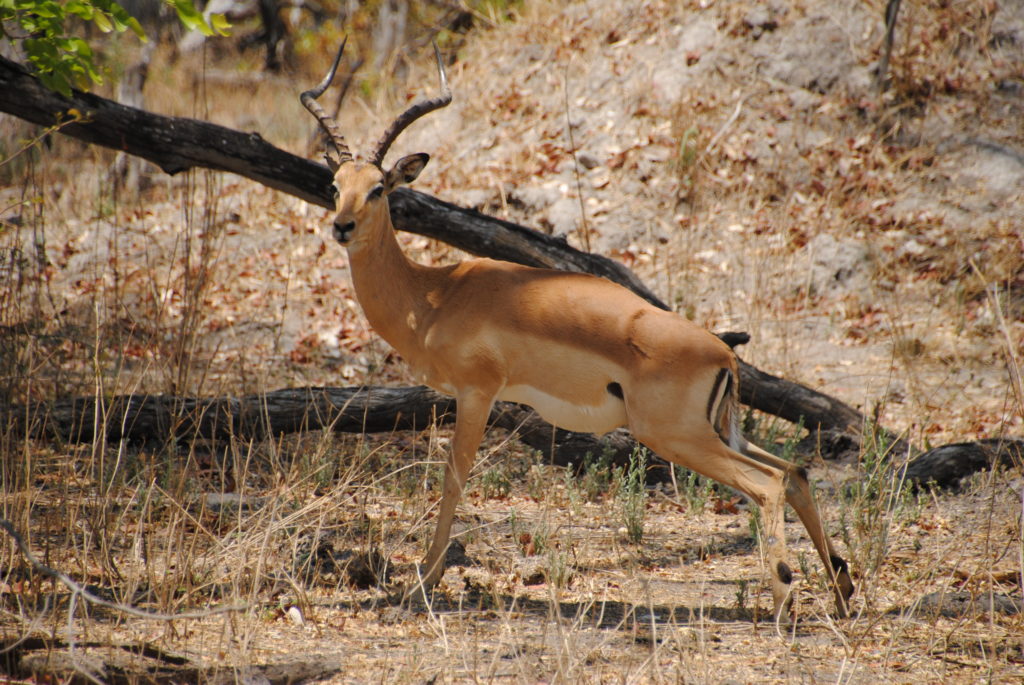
(119, 25)
(85, 10)
(78, 47)
(136, 27)
(103, 22)
(191, 17)
(49, 10)
(220, 24)
(37, 48)
(56, 82)
(122, 19)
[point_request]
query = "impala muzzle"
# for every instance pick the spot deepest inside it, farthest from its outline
(342, 231)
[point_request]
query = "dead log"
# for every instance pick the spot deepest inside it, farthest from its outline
(144, 418)
(48, 659)
(795, 403)
(154, 419)
(176, 144)
(127, 170)
(945, 466)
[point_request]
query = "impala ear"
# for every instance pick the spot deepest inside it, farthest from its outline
(405, 171)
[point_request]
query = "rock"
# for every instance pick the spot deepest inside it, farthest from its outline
(760, 20)
(534, 198)
(803, 99)
(672, 76)
(367, 569)
(994, 170)
(294, 614)
(587, 160)
(836, 264)
(817, 62)
(326, 558)
(474, 198)
(254, 678)
(54, 665)
(964, 604)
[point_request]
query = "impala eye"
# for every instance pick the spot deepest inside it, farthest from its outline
(377, 191)
(336, 193)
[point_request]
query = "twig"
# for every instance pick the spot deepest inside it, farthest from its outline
(1012, 363)
(892, 8)
(76, 117)
(670, 500)
(79, 591)
(725, 127)
(584, 228)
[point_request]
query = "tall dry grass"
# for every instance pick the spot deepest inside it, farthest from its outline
(104, 293)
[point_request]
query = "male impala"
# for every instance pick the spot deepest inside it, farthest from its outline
(586, 354)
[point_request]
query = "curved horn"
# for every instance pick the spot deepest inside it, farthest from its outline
(327, 122)
(413, 113)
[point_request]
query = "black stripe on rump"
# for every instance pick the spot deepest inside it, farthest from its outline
(718, 395)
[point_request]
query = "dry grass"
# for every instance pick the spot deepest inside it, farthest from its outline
(554, 589)
(871, 245)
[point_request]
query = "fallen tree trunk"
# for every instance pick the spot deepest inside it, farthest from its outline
(176, 144)
(157, 418)
(945, 466)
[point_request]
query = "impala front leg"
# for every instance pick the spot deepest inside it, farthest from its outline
(474, 407)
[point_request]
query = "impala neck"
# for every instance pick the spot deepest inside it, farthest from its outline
(391, 288)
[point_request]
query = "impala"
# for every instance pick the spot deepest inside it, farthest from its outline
(585, 353)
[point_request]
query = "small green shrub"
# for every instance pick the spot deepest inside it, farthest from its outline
(872, 504)
(597, 476)
(632, 495)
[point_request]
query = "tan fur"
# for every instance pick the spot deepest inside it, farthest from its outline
(585, 353)
(483, 330)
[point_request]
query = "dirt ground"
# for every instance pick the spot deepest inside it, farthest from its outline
(740, 158)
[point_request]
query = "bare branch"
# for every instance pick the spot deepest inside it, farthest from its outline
(892, 9)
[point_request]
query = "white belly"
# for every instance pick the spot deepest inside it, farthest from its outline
(585, 418)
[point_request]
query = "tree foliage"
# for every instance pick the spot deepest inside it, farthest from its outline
(48, 31)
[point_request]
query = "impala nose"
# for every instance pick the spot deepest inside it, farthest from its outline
(341, 231)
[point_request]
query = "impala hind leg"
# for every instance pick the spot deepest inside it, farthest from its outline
(800, 497)
(470, 422)
(763, 483)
